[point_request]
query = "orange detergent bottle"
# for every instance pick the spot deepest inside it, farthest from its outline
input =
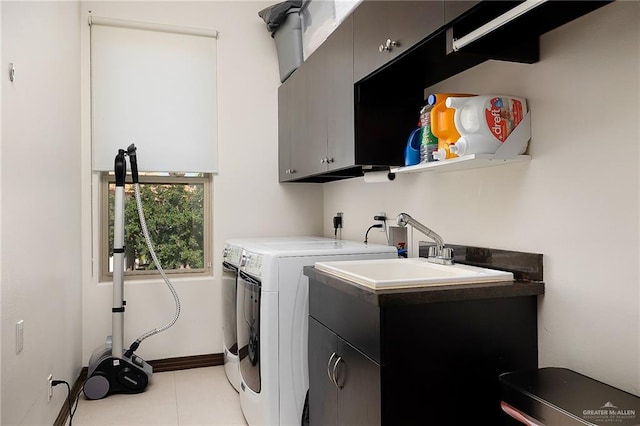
(443, 124)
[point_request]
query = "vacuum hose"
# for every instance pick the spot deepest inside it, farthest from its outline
(143, 224)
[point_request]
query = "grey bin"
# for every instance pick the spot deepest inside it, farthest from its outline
(288, 38)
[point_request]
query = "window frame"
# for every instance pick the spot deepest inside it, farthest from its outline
(107, 178)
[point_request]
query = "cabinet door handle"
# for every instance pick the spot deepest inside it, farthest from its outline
(388, 45)
(335, 377)
(328, 369)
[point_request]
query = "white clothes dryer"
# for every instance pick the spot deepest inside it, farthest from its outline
(230, 263)
(272, 322)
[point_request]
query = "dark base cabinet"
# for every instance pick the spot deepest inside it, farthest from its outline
(355, 396)
(402, 363)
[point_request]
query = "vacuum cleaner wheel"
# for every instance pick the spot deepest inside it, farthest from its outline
(96, 387)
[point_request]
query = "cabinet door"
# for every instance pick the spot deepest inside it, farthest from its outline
(323, 394)
(412, 21)
(453, 9)
(298, 118)
(370, 29)
(399, 22)
(315, 144)
(340, 101)
(284, 132)
(359, 398)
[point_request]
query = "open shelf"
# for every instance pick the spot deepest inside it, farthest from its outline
(506, 154)
(473, 161)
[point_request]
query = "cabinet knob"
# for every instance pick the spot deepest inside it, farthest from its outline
(388, 45)
(330, 160)
(323, 160)
(289, 171)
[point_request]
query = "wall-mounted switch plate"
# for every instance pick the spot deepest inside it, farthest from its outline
(49, 387)
(19, 336)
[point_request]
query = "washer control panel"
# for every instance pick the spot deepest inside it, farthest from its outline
(251, 263)
(232, 254)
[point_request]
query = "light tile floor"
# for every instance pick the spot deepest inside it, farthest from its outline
(200, 396)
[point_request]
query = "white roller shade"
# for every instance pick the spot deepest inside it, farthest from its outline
(155, 86)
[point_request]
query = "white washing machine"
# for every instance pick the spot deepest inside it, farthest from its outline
(272, 323)
(230, 263)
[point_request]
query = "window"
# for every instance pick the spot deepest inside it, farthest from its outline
(177, 212)
(154, 85)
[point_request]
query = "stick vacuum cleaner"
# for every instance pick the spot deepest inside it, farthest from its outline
(111, 369)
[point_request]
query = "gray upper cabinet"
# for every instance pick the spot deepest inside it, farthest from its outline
(455, 8)
(292, 124)
(317, 130)
(370, 31)
(340, 107)
(284, 133)
(310, 149)
(383, 30)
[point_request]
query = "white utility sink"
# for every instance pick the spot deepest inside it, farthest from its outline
(399, 273)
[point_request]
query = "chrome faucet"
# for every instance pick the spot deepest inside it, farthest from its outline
(438, 254)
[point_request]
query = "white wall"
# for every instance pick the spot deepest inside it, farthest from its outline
(40, 210)
(248, 200)
(576, 201)
(1, 215)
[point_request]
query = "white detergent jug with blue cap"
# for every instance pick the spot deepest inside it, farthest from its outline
(485, 122)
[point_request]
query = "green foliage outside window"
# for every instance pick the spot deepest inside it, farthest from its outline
(175, 215)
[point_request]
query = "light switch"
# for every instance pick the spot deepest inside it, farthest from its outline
(19, 336)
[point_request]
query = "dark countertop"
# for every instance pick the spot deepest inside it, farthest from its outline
(421, 295)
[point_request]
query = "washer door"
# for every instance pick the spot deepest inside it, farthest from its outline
(248, 306)
(229, 296)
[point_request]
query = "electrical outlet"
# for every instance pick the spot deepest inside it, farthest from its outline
(384, 222)
(49, 387)
(19, 336)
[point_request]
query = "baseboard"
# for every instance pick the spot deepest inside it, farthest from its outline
(186, 362)
(159, 366)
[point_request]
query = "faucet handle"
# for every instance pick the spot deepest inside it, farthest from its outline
(447, 253)
(442, 257)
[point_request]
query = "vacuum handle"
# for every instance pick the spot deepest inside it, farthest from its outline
(120, 167)
(131, 151)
